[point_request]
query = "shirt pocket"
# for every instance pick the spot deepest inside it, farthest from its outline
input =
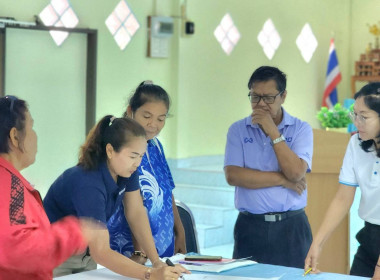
(375, 175)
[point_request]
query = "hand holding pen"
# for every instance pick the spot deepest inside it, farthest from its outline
(307, 271)
(312, 257)
(166, 272)
(180, 267)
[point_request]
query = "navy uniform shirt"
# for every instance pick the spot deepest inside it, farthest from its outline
(87, 193)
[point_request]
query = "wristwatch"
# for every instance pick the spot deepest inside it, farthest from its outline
(140, 254)
(147, 274)
(278, 140)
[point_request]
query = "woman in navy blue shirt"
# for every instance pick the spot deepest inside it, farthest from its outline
(106, 173)
(149, 106)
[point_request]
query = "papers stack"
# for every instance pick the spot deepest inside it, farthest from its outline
(211, 266)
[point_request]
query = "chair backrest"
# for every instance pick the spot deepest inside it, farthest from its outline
(189, 226)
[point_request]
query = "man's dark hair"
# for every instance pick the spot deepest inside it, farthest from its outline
(267, 73)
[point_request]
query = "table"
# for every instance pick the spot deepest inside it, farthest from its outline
(256, 270)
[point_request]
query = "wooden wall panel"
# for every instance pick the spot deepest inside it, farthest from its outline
(323, 182)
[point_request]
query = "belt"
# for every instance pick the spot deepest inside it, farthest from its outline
(367, 224)
(274, 216)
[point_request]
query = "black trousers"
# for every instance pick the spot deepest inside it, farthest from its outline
(368, 251)
(283, 242)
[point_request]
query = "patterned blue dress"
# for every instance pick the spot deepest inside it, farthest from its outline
(156, 184)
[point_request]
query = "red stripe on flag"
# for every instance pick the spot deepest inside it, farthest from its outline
(330, 88)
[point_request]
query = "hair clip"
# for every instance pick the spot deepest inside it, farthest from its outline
(111, 120)
(148, 82)
(12, 99)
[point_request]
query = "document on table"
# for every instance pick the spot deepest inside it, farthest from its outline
(222, 277)
(210, 266)
(97, 274)
(218, 267)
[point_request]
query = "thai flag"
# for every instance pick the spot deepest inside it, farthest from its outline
(333, 77)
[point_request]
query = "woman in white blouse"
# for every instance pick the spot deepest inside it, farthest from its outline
(361, 168)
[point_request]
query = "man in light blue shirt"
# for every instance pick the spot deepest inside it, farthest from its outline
(267, 157)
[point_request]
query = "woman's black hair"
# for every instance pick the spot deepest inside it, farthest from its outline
(371, 95)
(116, 131)
(12, 114)
(147, 92)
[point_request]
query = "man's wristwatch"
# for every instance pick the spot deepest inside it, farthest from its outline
(140, 254)
(147, 274)
(278, 140)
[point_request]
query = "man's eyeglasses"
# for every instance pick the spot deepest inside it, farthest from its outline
(268, 99)
(12, 99)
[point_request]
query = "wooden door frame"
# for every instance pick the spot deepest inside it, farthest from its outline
(91, 64)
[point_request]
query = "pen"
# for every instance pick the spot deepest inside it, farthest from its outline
(190, 263)
(169, 263)
(307, 271)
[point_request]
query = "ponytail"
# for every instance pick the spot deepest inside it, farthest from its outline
(148, 92)
(110, 130)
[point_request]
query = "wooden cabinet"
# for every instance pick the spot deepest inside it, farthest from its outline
(367, 69)
(323, 182)
(368, 79)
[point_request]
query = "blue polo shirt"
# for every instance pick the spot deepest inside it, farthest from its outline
(87, 193)
(247, 146)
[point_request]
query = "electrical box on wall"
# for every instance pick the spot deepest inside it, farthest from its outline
(160, 30)
(189, 27)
